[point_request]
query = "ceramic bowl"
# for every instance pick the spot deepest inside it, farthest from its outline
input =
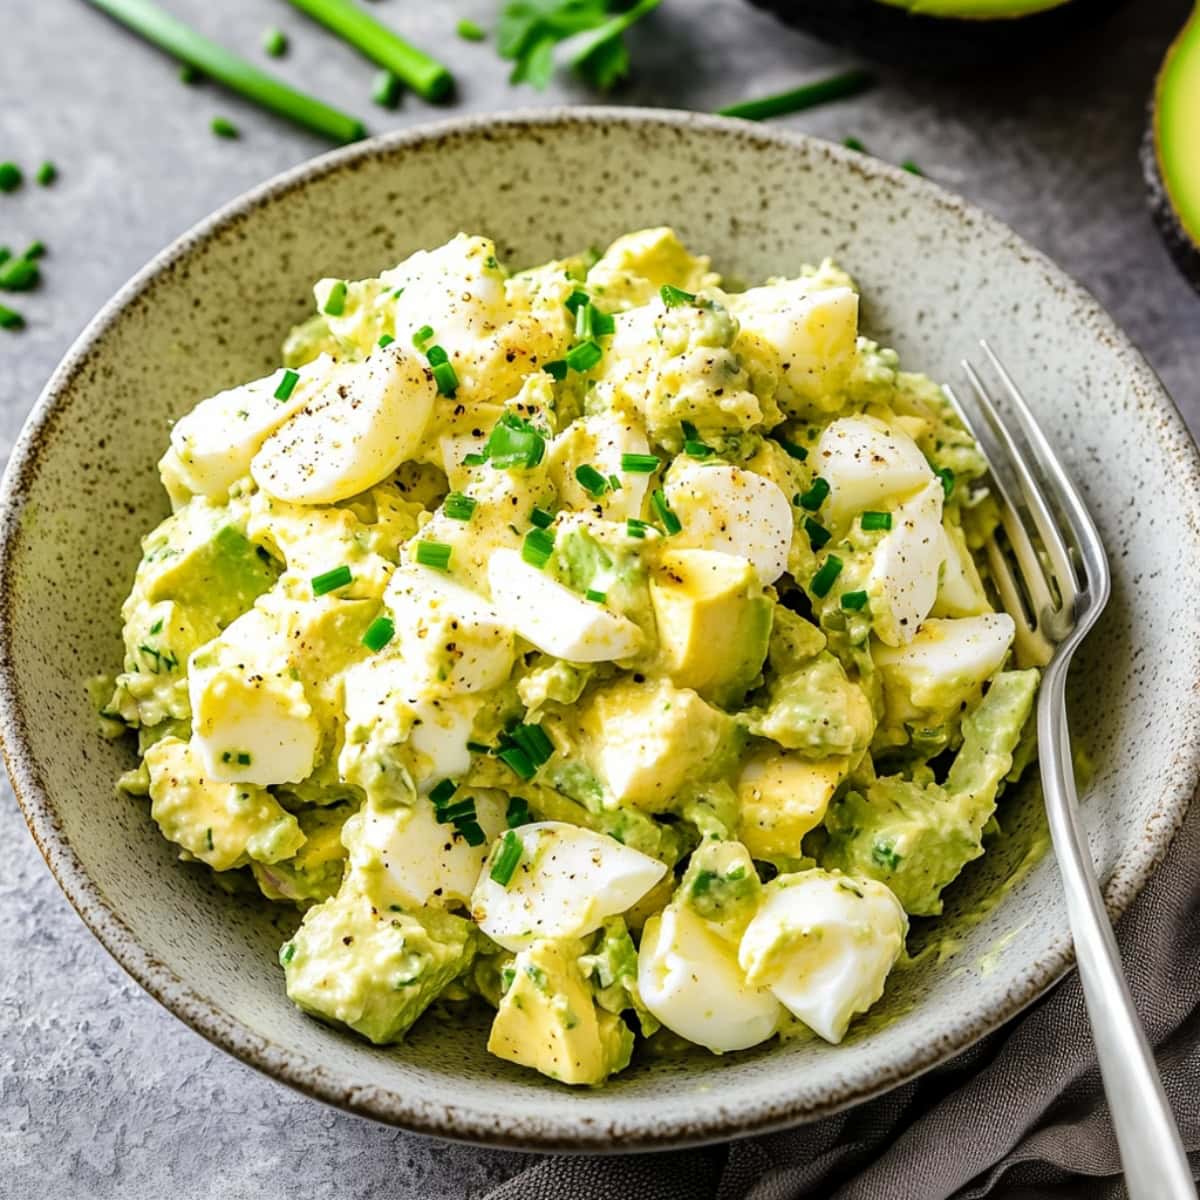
(935, 274)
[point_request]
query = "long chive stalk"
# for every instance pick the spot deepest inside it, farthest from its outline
(215, 62)
(835, 87)
(426, 76)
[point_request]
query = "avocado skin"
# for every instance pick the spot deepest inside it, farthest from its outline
(892, 35)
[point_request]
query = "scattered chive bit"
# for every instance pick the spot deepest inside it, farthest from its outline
(189, 75)
(19, 275)
(287, 384)
(614, 483)
(471, 833)
(208, 837)
(330, 581)
(423, 337)
(556, 369)
(474, 460)
(591, 480)
(35, 250)
(537, 547)
(286, 953)
(518, 812)
(442, 792)
(534, 741)
(478, 748)
(541, 518)
(10, 177)
(818, 535)
(694, 448)
(243, 759)
(852, 143)
(854, 601)
(385, 339)
(671, 522)
(517, 760)
(603, 323)
(433, 554)
(640, 464)
(674, 297)
(5, 254)
(911, 167)
(335, 302)
(584, 357)
(595, 596)
(635, 528)
(821, 91)
(576, 300)
(464, 810)
(275, 43)
(876, 520)
(792, 449)
(386, 89)
(398, 293)
(47, 173)
(583, 322)
(947, 477)
(469, 31)
(507, 858)
(822, 581)
(815, 496)
(444, 374)
(514, 442)
(379, 633)
(10, 318)
(458, 506)
(224, 127)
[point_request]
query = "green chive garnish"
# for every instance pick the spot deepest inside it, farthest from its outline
(603, 323)
(595, 596)
(10, 177)
(518, 812)
(335, 302)
(5, 254)
(10, 318)
(189, 75)
(433, 554)
(576, 300)
(835, 87)
(458, 506)
(853, 601)
(514, 442)
(852, 143)
(423, 337)
(541, 518)
(533, 740)
(464, 810)
(243, 759)
(696, 449)
(792, 449)
(557, 369)
(287, 384)
(469, 31)
(815, 496)
(636, 528)
(516, 758)
(442, 792)
(275, 43)
(471, 833)
(822, 581)
(35, 250)
(947, 477)
(445, 377)
(330, 581)
(818, 535)
(385, 339)
(474, 460)
(591, 480)
(537, 547)
(224, 127)
(379, 633)
(583, 322)
(386, 89)
(507, 858)
(671, 523)
(584, 357)
(19, 275)
(478, 748)
(674, 297)
(911, 167)
(876, 520)
(47, 173)
(640, 464)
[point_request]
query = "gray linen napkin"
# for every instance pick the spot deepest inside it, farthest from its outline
(1021, 1115)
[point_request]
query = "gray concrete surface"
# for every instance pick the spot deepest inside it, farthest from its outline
(103, 1094)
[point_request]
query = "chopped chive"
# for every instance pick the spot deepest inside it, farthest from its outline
(224, 127)
(243, 759)
(666, 514)
(471, 833)
(335, 302)
(815, 496)
(595, 596)
(518, 812)
(603, 323)
(446, 379)
(533, 740)
(852, 143)
(275, 43)
(287, 384)
(385, 340)
(423, 337)
(591, 480)
(469, 31)
(35, 250)
(516, 759)
(157, 626)
(189, 75)
(10, 318)
(464, 810)
(398, 293)
(330, 581)
(10, 177)
(834, 87)
(474, 460)
(584, 357)
(635, 528)
(614, 483)
(513, 442)
(436, 355)
(379, 633)
(640, 464)
(557, 369)
(537, 547)
(47, 173)
(792, 449)
(818, 535)
(583, 322)
(5, 254)
(822, 581)
(947, 477)
(576, 300)
(458, 506)
(19, 275)
(695, 449)
(674, 297)
(507, 858)
(433, 554)
(202, 55)
(478, 748)
(385, 91)
(853, 601)
(911, 167)
(442, 792)
(286, 953)
(876, 520)
(541, 518)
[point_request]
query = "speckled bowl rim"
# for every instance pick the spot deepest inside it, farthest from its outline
(561, 1130)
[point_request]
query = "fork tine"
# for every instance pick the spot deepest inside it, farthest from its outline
(1035, 500)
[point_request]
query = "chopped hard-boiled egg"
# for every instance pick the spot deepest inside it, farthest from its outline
(823, 944)
(903, 580)
(960, 589)
(565, 883)
(690, 980)
(354, 431)
(555, 619)
(726, 508)
(601, 443)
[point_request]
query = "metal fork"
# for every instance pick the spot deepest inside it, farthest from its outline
(1054, 597)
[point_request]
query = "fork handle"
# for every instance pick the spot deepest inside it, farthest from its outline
(1152, 1154)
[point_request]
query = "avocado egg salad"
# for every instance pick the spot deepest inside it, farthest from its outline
(595, 643)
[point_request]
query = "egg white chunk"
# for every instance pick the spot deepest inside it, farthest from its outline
(726, 508)
(600, 441)
(823, 944)
(353, 432)
(690, 980)
(960, 589)
(903, 580)
(566, 883)
(555, 619)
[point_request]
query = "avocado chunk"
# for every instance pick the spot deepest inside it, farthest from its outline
(314, 872)
(1171, 151)
(547, 1019)
(714, 622)
(222, 824)
(721, 887)
(371, 966)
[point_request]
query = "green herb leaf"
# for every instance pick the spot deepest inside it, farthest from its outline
(379, 633)
(458, 506)
(507, 858)
(433, 554)
(876, 520)
(330, 581)
(822, 581)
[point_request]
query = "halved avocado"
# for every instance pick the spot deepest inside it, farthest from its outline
(1171, 150)
(940, 34)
